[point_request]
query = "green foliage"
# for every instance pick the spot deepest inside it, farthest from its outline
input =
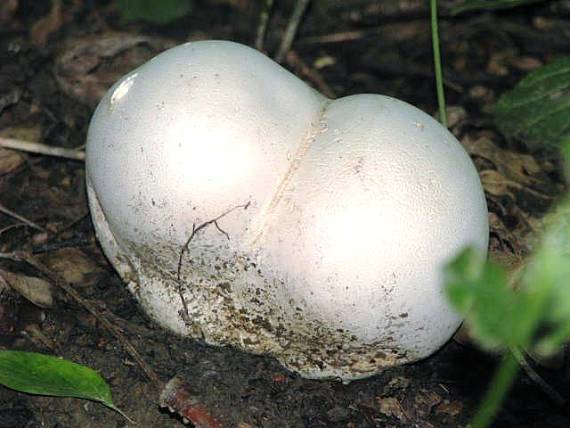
(505, 318)
(480, 291)
(549, 274)
(534, 316)
(154, 11)
(471, 5)
(41, 374)
(537, 110)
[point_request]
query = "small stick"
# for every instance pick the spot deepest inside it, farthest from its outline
(42, 149)
(17, 216)
(537, 379)
(196, 229)
(11, 226)
(262, 27)
(178, 397)
(310, 73)
(291, 29)
(340, 37)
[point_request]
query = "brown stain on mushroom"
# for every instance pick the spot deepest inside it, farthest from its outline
(287, 332)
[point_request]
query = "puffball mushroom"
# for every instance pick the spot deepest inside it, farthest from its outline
(244, 208)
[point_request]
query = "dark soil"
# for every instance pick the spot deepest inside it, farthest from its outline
(53, 70)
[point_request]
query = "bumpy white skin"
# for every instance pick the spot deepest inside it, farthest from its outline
(317, 229)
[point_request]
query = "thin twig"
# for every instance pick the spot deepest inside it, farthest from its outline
(310, 73)
(537, 379)
(262, 27)
(340, 37)
(196, 229)
(42, 149)
(291, 29)
(61, 283)
(392, 33)
(11, 226)
(17, 216)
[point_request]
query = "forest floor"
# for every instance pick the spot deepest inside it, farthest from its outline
(57, 58)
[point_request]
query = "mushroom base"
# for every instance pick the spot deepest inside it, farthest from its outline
(229, 309)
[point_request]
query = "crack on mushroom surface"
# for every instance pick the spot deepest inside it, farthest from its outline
(294, 164)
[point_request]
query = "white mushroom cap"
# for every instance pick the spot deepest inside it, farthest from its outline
(317, 229)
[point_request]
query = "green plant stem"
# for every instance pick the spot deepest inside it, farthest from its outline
(262, 27)
(497, 391)
(437, 63)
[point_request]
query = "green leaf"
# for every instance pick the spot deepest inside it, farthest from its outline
(154, 11)
(550, 272)
(479, 290)
(537, 110)
(41, 374)
(470, 5)
(501, 317)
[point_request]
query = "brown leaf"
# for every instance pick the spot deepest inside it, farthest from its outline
(425, 401)
(47, 25)
(72, 264)
(497, 184)
(87, 67)
(38, 291)
(391, 407)
(451, 408)
(397, 383)
(504, 235)
(497, 64)
(455, 115)
(521, 179)
(33, 133)
(10, 161)
(518, 167)
(526, 63)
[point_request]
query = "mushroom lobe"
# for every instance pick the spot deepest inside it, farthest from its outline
(244, 208)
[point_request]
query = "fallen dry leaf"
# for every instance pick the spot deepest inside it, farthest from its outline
(496, 184)
(33, 133)
(397, 383)
(391, 407)
(455, 115)
(518, 167)
(10, 161)
(425, 401)
(47, 25)
(36, 290)
(451, 408)
(505, 236)
(72, 264)
(88, 67)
